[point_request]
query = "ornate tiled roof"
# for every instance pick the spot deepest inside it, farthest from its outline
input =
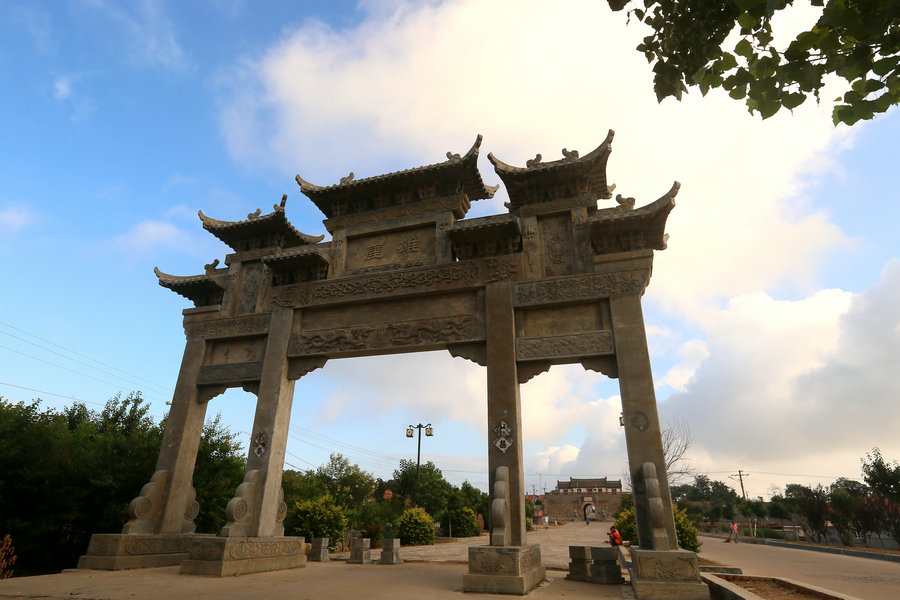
(202, 290)
(258, 231)
(351, 196)
(570, 176)
(486, 236)
(306, 263)
(617, 230)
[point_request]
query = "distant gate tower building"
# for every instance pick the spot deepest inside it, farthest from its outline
(554, 280)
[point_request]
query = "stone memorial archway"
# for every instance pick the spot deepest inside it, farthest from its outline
(554, 280)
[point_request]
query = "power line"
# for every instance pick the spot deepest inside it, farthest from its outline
(115, 385)
(21, 387)
(76, 353)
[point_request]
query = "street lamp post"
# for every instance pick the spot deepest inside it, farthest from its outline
(428, 432)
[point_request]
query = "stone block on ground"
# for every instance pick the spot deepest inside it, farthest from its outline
(318, 552)
(390, 551)
(359, 551)
(116, 551)
(223, 556)
(594, 564)
(666, 574)
(504, 569)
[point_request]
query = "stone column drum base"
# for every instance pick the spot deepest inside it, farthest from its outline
(666, 575)
(594, 564)
(221, 556)
(504, 569)
(116, 551)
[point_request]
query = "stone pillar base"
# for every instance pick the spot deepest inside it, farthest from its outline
(594, 564)
(116, 551)
(224, 556)
(503, 569)
(319, 550)
(666, 574)
(360, 554)
(390, 552)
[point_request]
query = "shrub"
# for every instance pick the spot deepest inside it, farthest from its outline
(320, 518)
(416, 527)
(464, 522)
(684, 528)
(7, 557)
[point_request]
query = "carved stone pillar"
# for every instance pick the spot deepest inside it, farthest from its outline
(508, 565)
(253, 538)
(660, 569)
(159, 530)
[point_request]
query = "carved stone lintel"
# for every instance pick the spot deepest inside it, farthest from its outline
(527, 370)
(229, 373)
(256, 324)
(477, 352)
(584, 287)
(298, 367)
(564, 346)
(358, 340)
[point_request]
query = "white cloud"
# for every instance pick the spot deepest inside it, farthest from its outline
(412, 81)
(151, 236)
(14, 217)
(62, 87)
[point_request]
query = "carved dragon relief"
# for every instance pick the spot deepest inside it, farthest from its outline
(393, 335)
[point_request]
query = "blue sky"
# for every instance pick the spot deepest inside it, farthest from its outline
(771, 316)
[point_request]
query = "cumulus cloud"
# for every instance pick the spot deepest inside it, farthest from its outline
(153, 236)
(414, 80)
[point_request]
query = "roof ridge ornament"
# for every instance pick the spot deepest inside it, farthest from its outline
(533, 162)
(283, 202)
(348, 178)
(570, 154)
(211, 268)
(255, 214)
(626, 203)
(453, 155)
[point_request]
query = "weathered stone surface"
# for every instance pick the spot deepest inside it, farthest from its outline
(360, 554)
(658, 574)
(504, 570)
(390, 552)
(318, 552)
(115, 551)
(220, 557)
(594, 564)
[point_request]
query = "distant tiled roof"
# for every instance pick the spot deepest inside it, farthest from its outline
(588, 484)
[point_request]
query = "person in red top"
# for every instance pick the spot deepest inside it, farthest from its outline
(615, 538)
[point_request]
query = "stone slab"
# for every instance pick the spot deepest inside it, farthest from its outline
(220, 557)
(115, 551)
(504, 569)
(666, 574)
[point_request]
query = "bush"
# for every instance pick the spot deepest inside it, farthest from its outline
(416, 527)
(464, 522)
(320, 518)
(684, 528)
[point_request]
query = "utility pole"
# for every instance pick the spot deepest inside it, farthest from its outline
(740, 475)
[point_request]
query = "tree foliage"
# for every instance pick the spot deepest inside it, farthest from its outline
(460, 522)
(685, 530)
(319, 518)
(415, 527)
(71, 473)
(855, 40)
(430, 492)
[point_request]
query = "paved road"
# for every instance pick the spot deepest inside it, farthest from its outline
(861, 577)
(436, 572)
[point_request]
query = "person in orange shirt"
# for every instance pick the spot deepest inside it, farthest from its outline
(615, 538)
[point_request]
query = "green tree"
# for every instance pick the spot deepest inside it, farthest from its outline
(415, 527)
(813, 508)
(347, 483)
(430, 492)
(883, 478)
(463, 521)
(320, 518)
(855, 40)
(218, 472)
(685, 530)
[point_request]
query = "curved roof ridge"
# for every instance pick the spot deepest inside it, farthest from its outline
(569, 157)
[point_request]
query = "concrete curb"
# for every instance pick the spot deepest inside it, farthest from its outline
(825, 549)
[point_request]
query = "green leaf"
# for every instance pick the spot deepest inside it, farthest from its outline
(639, 14)
(726, 63)
(747, 21)
(763, 37)
(794, 100)
(767, 108)
(743, 48)
(617, 5)
(738, 92)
